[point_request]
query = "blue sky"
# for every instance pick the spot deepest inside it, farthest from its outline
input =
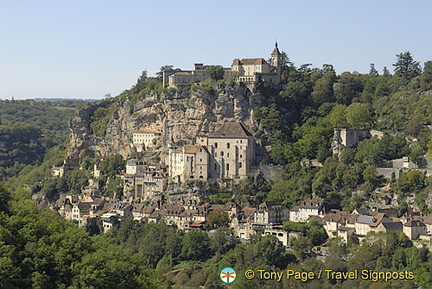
(86, 49)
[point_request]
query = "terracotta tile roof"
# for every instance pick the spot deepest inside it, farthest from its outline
(183, 73)
(236, 61)
(428, 220)
(191, 149)
(378, 218)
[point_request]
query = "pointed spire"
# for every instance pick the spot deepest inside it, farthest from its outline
(276, 49)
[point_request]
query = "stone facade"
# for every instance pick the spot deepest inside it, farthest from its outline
(229, 152)
(142, 180)
(232, 151)
(350, 137)
(188, 163)
(249, 71)
(309, 207)
(143, 140)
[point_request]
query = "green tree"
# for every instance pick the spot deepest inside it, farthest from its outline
(218, 218)
(426, 76)
(348, 87)
(5, 198)
(270, 251)
(223, 240)
(373, 71)
(159, 74)
(302, 246)
(406, 67)
(196, 246)
(411, 182)
(216, 72)
(323, 88)
(358, 115)
(112, 165)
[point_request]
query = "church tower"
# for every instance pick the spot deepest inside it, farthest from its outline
(276, 58)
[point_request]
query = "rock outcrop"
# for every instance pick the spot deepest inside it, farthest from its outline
(178, 118)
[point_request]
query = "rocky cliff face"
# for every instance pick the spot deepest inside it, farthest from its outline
(178, 118)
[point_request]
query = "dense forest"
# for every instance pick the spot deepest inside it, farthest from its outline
(40, 250)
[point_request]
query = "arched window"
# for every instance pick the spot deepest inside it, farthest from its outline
(215, 145)
(240, 164)
(227, 167)
(228, 145)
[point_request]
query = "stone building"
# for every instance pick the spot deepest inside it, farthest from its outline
(312, 206)
(350, 137)
(190, 162)
(144, 139)
(232, 151)
(248, 70)
(253, 70)
(142, 180)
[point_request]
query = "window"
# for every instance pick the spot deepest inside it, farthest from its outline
(221, 154)
(228, 155)
(227, 167)
(240, 164)
(215, 154)
(228, 145)
(215, 145)
(215, 166)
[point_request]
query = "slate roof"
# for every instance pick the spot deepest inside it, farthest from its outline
(414, 223)
(364, 219)
(231, 129)
(393, 226)
(249, 61)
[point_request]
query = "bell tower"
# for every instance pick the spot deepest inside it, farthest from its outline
(276, 58)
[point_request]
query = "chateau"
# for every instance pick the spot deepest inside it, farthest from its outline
(229, 152)
(249, 71)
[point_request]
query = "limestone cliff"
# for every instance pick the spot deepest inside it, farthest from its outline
(178, 118)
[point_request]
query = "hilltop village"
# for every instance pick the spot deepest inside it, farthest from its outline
(229, 153)
(170, 190)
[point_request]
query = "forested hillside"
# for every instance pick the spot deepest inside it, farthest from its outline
(295, 123)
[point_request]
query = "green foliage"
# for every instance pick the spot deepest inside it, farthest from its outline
(216, 72)
(112, 165)
(313, 231)
(21, 143)
(411, 182)
(223, 240)
(323, 88)
(406, 67)
(5, 198)
(358, 115)
(195, 246)
(426, 76)
(101, 118)
(218, 218)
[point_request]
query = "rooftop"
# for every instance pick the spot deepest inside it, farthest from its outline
(231, 129)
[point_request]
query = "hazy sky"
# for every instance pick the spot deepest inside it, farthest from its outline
(86, 49)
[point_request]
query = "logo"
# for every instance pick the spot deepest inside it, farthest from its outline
(228, 275)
